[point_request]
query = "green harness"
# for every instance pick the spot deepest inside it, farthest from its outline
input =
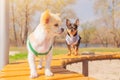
(35, 52)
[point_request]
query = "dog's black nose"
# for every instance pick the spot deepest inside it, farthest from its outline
(62, 29)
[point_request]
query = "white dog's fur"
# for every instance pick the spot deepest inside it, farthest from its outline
(41, 40)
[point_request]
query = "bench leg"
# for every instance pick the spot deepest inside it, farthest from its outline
(85, 68)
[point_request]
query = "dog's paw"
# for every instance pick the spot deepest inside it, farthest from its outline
(39, 67)
(33, 75)
(69, 54)
(48, 73)
(76, 54)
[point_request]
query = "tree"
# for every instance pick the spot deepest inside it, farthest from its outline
(88, 31)
(12, 19)
(103, 36)
(109, 10)
(25, 11)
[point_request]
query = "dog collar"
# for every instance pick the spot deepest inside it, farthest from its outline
(35, 52)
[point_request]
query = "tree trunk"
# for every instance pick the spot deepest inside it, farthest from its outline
(25, 31)
(14, 31)
(20, 34)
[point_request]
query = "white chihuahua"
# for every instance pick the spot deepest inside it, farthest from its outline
(40, 41)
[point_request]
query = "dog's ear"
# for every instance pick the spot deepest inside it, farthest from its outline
(46, 17)
(67, 22)
(77, 22)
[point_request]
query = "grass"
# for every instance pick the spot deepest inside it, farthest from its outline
(100, 49)
(56, 51)
(23, 53)
(16, 57)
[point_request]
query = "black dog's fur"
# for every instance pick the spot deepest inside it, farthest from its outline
(72, 31)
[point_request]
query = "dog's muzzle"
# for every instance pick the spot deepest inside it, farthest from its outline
(61, 30)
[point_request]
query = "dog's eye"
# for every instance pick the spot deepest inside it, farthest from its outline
(56, 25)
(74, 27)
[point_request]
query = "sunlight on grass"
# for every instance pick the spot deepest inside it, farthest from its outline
(100, 49)
(23, 53)
(57, 51)
(16, 57)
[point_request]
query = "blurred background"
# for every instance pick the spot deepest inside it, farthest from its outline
(99, 20)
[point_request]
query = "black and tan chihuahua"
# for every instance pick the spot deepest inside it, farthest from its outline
(72, 37)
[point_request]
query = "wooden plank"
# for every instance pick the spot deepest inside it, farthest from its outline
(80, 78)
(20, 71)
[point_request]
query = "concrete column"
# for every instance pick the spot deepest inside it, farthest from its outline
(4, 33)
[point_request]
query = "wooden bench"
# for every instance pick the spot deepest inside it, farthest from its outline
(20, 71)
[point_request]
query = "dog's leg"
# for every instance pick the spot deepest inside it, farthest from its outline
(31, 60)
(40, 63)
(77, 46)
(48, 62)
(76, 50)
(69, 48)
